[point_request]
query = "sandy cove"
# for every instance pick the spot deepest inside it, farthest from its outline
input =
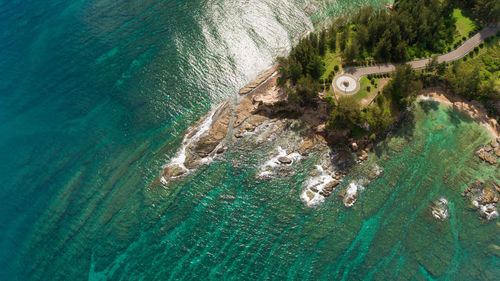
(474, 109)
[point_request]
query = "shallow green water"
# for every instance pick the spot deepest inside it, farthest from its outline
(222, 223)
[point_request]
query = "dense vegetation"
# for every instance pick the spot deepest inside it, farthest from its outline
(411, 29)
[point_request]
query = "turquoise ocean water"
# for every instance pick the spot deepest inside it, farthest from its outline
(95, 97)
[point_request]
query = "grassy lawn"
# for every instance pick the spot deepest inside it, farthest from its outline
(464, 24)
(331, 60)
(365, 96)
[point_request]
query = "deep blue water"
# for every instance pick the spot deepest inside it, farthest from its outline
(95, 97)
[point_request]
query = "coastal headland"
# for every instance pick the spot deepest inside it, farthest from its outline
(267, 107)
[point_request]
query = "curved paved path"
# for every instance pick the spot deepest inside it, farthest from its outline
(456, 54)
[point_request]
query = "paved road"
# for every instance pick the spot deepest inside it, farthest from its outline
(456, 54)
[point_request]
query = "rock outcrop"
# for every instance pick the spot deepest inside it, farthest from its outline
(485, 153)
(173, 171)
(483, 198)
(258, 80)
(350, 195)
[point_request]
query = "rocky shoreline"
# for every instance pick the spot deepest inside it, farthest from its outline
(262, 109)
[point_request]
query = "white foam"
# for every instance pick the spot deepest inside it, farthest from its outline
(440, 214)
(489, 211)
(352, 189)
(440, 209)
(443, 201)
(267, 169)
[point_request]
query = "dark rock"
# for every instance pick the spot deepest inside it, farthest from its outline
(285, 160)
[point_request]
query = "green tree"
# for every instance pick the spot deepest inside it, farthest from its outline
(315, 67)
(404, 85)
(322, 43)
(332, 39)
(345, 114)
(351, 52)
(362, 36)
(307, 90)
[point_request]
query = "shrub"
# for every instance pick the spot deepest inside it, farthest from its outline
(368, 88)
(464, 38)
(336, 68)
